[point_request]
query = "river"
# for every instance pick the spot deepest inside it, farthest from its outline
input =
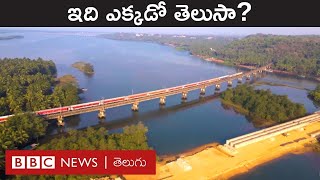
(125, 67)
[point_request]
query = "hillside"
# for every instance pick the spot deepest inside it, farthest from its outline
(296, 54)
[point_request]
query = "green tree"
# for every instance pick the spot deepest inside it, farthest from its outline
(26, 85)
(263, 105)
(296, 54)
(132, 138)
(315, 95)
(33, 125)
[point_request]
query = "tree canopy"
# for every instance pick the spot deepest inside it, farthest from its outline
(30, 85)
(315, 95)
(87, 68)
(263, 105)
(19, 130)
(297, 54)
(132, 138)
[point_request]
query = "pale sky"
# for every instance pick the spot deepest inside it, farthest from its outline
(185, 30)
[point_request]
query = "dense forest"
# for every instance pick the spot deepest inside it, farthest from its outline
(297, 54)
(197, 45)
(132, 138)
(262, 105)
(30, 85)
(19, 130)
(87, 68)
(315, 95)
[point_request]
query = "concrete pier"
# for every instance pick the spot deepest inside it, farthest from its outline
(218, 87)
(162, 100)
(135, 106)
(203, 90)
(229, 83)
(60, 121)
(240, 80)
(184, 95)
(102, 113)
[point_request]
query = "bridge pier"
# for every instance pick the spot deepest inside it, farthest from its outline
(240, 80)
(230, 83)
(60, 120)
(102, 113)
(203, 90)
(184, 95)
(218, 87)
(162, 100)
(135, 106)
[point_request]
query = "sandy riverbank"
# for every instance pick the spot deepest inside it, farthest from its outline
(211, 163)
(173, 157)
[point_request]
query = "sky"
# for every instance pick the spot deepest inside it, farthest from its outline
(185, 30)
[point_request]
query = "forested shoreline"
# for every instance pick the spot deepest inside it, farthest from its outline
(295, 55)
(203, 45)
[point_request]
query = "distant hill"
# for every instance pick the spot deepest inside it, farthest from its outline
(10, 37)
(203, 45)
(297, 54)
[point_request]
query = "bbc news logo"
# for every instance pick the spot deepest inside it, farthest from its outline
(84, 162)
(33, 162)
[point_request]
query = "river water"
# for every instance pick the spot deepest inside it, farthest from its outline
(124, 67)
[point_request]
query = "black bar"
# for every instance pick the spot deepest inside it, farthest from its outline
(46, 13)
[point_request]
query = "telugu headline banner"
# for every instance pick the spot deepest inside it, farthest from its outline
(63, 162)
(159, 13)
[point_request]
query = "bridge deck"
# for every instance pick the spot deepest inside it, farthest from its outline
(164, 93)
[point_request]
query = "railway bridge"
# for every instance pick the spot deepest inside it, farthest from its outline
(100, 106)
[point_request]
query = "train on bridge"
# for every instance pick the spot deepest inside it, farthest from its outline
(125, 98)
